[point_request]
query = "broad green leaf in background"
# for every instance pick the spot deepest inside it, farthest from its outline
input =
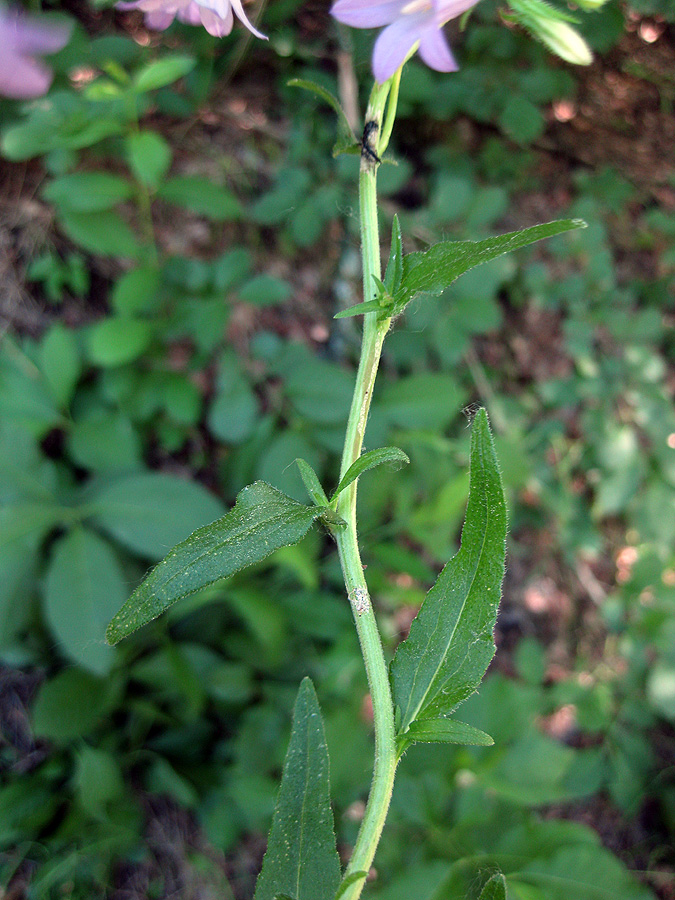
(390, 456)
(161, 72)
(151, 512)
(432, 271)
(494, 889)
(88, 192)
(105, 233)
(117, 340)
(69, 705)
(60, 363)
(149, 157)
(301, 858)
(84, 588)
(451, 644)
(262, 520)
(200, 195)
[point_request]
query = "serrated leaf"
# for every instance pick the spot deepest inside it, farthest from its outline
(494, 889)
(359, 309)
(444, 731)
(451, 644)
(261, 521)
(432, 271)
(394, 273)
(390, 456)
(346, 139)
(312, 483)
(301, 859)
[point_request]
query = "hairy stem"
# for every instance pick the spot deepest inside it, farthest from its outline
(374, 332)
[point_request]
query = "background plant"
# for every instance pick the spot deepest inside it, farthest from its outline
(187, 723)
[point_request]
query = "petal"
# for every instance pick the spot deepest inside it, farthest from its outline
(159, 19)
(362, 14)
(31, 36)
(450, 9)
(23, 79)
(241, 15)
(215, 24)
(393, 45)
(435, 52)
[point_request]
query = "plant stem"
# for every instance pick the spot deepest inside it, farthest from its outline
(374, 332)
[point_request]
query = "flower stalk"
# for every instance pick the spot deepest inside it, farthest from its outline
(377, 131)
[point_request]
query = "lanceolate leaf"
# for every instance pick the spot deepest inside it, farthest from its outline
(444, 731)
(494, 889)
(262, 520)
(359, 310)
(433, 270)
(301, 859)
(394, 273)
(450, 644)
(311, 481)
(390, 455)
(346, 141)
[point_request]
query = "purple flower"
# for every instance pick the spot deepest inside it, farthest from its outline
(21, 38)
(409, 22)
(217, 16)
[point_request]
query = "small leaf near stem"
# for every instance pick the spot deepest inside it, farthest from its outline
(391, 456)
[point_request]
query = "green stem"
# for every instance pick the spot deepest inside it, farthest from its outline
(374, 332)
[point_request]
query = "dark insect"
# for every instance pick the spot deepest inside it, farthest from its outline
(370, 131)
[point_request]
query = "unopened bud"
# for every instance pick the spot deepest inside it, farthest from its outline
(564, 41)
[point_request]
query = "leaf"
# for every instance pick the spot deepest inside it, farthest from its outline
(348, 881)
(104, 233)
(83, 590)
(359, 309)
(433, 270)
(301, 858)
(346, 139)
(60, 363)
(390, 456)
(162, 72)
(262, 520)
(69, 705)
(149, 157)
(200, 195)
(118, 340)
(494, 889)
(394, 273)
(450, 644)
(444, 731)
(88, 191)
(151, 512)
(312, 483)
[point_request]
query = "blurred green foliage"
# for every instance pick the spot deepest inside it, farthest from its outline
(123, 433)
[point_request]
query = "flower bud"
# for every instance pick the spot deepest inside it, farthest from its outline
(564, 41)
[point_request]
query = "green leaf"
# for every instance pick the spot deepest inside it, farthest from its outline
(494, 889)
(432, 271)
(69, 705)
(301, 858)
(104, 233)
(444, 731)
(390, 456)
(262, 520)
(88, 191)
(161, 72)
(346, 139)
(83, 590)
(117, 340)
(451, 644)
(348, 881)
(394, 273)
(149, 157)
(60, 363)
(202, 196)
(151, 512)
(312, 483)
(359, 309)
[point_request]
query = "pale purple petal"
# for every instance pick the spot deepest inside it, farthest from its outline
(241, 15)
(22, 78)
(214, 24)
(360, 14)
(32, 37)
(159, 20)
(435, 52)
(393, 45)
(450, 9)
